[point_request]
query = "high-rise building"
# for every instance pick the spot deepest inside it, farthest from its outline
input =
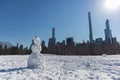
(114, 40)
(53, 32)
(70, 41)
(90, 34)
(43, 43)
(90, 28)
(108, 34)
(99, 41)
(52, 41)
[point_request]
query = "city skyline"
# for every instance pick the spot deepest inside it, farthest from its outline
(21, 20)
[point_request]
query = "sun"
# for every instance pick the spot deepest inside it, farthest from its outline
(112, 5)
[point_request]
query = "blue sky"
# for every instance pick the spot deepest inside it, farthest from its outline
(21, 20)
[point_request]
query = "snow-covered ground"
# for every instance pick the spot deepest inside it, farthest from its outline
(61, 68)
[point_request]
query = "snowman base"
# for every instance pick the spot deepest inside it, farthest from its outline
(35, 61)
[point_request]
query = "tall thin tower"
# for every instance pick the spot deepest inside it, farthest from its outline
(53, 32)
(108, 33)
(90, 28)
(52, 41)
(90, 35)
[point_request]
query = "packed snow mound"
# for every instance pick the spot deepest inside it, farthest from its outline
(35, 59)
(104, 55)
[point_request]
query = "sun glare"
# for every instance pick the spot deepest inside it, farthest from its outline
(112, 5)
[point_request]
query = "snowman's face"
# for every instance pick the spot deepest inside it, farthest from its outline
(37, 41)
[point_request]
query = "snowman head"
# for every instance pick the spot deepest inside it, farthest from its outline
(37, 40)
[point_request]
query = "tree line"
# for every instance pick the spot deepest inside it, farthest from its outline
(14, 50)
(64, 49)
(83, 49)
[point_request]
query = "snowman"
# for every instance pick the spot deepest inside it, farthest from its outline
(35, 60)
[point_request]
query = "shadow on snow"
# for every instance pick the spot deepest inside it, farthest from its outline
(13, 69)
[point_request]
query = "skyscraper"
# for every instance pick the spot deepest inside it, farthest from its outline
(53, 32)
(90, 28)
(52, 41)
(108, 34)
(70, 41)
(90, 35)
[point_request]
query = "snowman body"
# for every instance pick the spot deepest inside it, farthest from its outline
(36, 59)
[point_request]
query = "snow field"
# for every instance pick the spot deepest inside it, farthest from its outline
(61, 68)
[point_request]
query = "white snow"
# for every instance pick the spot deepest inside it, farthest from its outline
(61, 68)
(36, 60)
